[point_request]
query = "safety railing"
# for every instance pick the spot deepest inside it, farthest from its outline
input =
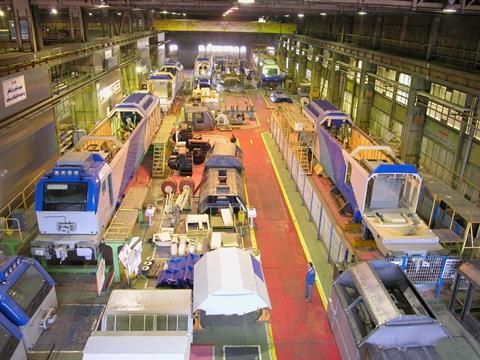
(327, 231)
(9, 226)
(431, 271)
(23, 200)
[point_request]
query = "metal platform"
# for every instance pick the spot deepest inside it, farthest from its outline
(126, 217)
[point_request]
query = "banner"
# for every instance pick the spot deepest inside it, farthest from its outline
(14, 90)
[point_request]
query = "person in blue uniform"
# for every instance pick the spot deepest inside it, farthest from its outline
(309, 282)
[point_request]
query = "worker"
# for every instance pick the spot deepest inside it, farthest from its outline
(233, 139)
(309, 282)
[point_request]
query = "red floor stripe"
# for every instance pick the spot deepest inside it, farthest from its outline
(300, 330)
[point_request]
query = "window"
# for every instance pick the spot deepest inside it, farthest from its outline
(402, 92)
(436, 159)
(442, 112)
(347, 102)
(29, 290)
(379, 125)
(383, 87)
(65, 196)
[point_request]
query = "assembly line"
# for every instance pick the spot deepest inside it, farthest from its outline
(230, 208)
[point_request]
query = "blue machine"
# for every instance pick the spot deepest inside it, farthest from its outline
(380, 190)
(11, 345)
(268, 70)
(76, 200)
(202, 68)
(27, 297)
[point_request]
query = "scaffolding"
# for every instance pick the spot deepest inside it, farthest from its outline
(299, 131)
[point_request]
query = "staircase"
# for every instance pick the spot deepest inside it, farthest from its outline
(161, 149)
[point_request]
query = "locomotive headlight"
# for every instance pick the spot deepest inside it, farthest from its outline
(69, 172)
(75, 172)
(63, 172)
(56, 172)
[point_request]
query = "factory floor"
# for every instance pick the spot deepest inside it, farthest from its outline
(285, 238)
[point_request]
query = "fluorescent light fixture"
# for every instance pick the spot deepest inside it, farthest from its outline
(362, 12)
(286, 15)
(323, 14)
(450, 7)
(174, 13)
(246, 1)
(90, 14)
(54, 11)
(164, 12)
(119, 13)
(183, 14)
(300, 15)
(2, 13)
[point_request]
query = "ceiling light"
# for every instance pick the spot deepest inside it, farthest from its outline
(2, 13)
(450, 7)
(246, 1)
(102, 4)
(362, 12)
(164, 12)
(184, 14)
(261, 19)
(300, 15)
(136, 9)
(54, 11)
(90, 14)
(119, 14)
(286, 15)
(323, 14)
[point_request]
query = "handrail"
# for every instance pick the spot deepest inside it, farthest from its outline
(23, 195)
(6, 229)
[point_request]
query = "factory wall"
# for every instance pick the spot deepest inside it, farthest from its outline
(428, 122)
(26, 150)
(21, 91)
(188, 42)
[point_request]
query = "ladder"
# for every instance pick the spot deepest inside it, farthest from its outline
(161, 147)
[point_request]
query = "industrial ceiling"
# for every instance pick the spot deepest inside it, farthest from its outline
(256, 8)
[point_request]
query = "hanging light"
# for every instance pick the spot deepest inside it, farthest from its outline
(2, 13)
(323, 14)
(246, 1)
(54, 11)
(300, 15)
(449, 7)
(362, 12)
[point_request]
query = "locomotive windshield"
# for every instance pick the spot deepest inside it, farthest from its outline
(270, 71)
(65, 196)
(29, 290)
(8, 343)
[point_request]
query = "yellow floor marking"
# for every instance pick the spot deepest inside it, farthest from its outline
(271, 342)
(295, 222)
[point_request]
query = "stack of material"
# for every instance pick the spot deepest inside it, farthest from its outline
(179, 273)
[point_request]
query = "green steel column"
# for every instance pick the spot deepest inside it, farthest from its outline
(316, 78)
(115, 246)
(413, 125)
(364, 93)
(302, 61)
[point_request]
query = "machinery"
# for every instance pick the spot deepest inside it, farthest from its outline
(202, 68)
(375, 310)
(143, 324)
(204, 93)
(222, 182)
(380, 190)
(27, 298)
(181, 160)
(11, 345)
(199, 117)
(76, 200)
(268, 71)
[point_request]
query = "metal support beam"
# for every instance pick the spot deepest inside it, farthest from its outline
(37, 32)
(365, 97)
(433, 37)
(414, 121)
(83, 24)
(72, 23)
(403, 29)
(377, 34)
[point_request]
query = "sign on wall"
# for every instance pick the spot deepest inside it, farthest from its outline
(14, 90)
(107, 92)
